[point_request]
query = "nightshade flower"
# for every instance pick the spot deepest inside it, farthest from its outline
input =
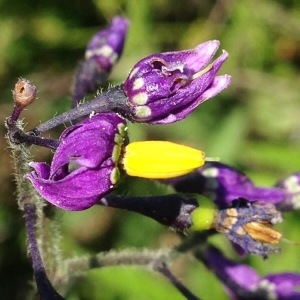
(106, 46)
(223, 184)
(248, 225)
(243, 282)
(85, 164)
(166, 87)
(102, 53)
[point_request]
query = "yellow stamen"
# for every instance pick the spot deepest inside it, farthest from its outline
(160, 159)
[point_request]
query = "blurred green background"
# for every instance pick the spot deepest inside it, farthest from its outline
(254, 125)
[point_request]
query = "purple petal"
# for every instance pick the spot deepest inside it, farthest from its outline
(94, 146)
(106, 46)
(223, 184)
(204, 53)
(218, 84)
(42, 169)
(84, 167)
(230, 272)
(77, 191)
(286, 285)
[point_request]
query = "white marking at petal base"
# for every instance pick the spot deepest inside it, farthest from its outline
(210, 172)
(292, 184)
(140, 99)
(138, 83)
(268, 287)
(105, 51)
(143, 111)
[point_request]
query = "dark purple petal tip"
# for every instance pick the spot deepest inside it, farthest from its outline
(85, 165)
(106, 46)
(166, 87)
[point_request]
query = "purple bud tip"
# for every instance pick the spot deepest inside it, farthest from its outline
(167, 87)
(106, 46)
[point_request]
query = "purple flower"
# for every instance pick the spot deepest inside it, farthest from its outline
(243, 282)
(103, 51)
(223, 184)
(250, 226)
(167, 87)
(84, 166)
(106, 46)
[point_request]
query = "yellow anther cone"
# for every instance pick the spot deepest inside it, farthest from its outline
(160, 159)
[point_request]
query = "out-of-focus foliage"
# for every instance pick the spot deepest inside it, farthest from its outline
(254, 125)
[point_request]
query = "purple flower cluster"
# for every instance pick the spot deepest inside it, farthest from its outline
(102, 53)
(224, 184)
(160, 89)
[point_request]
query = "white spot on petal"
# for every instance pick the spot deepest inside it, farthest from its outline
(143, 112)
(210, 172)
(292, 184)
(105, 51)
(140, 99)
(138, 83)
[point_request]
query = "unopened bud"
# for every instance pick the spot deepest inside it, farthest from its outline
(24, 92)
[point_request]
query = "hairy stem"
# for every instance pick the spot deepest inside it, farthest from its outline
(114, 100)
(34, 208)
(45, 288)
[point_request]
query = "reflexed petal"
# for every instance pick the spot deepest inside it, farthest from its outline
(84, 167)
(77, 191)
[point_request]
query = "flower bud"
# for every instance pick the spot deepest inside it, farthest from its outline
(106, 46)
(166, 87)
(24, 92)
